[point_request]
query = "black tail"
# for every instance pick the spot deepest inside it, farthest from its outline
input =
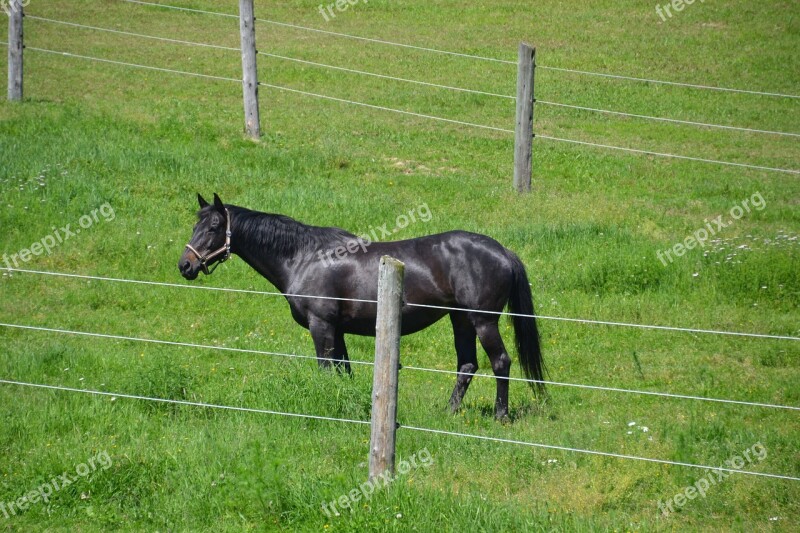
(525, 331)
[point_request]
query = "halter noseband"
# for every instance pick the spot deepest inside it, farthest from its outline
(226, 249)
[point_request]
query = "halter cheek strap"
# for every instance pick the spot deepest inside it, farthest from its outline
(205, 260)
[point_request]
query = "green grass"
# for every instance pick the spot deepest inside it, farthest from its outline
(145, 142)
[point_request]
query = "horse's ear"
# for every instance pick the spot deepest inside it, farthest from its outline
(218, 203)
(201, 201)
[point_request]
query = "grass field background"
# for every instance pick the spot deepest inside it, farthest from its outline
(146, 142)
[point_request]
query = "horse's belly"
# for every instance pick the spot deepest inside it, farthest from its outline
(412, 321)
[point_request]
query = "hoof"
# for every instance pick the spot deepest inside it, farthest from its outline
(503, 418)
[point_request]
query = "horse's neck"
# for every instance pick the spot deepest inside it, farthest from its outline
(260, 250)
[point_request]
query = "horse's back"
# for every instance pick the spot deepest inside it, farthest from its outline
(457, 268)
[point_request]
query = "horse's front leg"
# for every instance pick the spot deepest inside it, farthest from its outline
(324, 335)
(329, 345)
(340, 353)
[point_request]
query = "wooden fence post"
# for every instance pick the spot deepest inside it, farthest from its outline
(15, 46)
(523, 133)
(387, 365)
(247, 26)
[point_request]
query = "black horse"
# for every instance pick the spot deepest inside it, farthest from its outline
(456, 269)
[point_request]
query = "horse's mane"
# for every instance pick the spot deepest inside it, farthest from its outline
(281, 234)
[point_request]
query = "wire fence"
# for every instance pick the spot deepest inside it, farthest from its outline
(406, 80)
(420, 115)
(411, 304)
(357, 362)
(370, 363)
(366, 363)
(173, 343)
(608, 389)
(402, 427)
(473, 56)
(416, 82)
(182, 402)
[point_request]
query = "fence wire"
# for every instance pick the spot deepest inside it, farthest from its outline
(180, 402)
(482, 58)
(421, 115)
(401, 427)
(594, 452)
(369, 363)
(418, 82)
(444, 308)
(174, 343)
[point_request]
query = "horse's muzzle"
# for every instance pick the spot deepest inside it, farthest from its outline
(187, 270)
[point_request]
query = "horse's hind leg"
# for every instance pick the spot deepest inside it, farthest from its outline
(464, 334)
(492, 342)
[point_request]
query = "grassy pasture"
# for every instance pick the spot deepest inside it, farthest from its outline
(145, 142)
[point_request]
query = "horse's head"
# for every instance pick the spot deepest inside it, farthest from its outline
(211, 241)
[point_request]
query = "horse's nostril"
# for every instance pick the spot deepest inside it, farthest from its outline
(184, 266)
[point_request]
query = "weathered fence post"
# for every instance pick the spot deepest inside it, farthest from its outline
(247, 26)
(387, 365)
(15, 46)
(523, 133)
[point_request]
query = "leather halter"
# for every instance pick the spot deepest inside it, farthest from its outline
(225, 249)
